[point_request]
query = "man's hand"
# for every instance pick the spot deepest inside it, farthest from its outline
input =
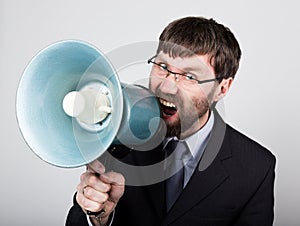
(99, 190)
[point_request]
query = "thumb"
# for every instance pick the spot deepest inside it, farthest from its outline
(117, 182)
(96, 167)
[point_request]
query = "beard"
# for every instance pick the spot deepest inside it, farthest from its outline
(188, 114)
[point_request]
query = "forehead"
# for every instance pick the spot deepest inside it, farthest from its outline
(195, 63)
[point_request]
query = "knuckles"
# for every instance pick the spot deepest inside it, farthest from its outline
(92, 180)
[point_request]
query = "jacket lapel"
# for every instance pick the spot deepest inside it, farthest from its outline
(209, 174)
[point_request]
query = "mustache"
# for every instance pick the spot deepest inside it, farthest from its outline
(168, 97)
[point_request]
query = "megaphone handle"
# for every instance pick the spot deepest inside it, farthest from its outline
(119, 151)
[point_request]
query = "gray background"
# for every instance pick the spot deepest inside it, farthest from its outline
(263, 102)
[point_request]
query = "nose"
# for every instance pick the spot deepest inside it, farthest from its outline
(169, 84)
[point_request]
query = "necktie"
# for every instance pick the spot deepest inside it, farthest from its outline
(175, 171)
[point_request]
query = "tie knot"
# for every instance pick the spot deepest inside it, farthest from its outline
(176, 148)
(170, 146)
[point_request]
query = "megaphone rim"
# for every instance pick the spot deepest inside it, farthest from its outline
(17, 110)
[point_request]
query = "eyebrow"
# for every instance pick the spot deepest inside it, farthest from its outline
(159, 57)
(196, 71)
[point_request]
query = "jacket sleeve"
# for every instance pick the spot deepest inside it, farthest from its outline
(76, 217)
(259, 210)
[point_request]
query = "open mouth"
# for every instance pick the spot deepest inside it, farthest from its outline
(169, 109)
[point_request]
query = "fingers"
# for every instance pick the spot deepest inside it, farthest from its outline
(88, 204)
(113, 178)
(92, 192)
(96, 167)
(92, 180)
(98, 190)
(117, 182)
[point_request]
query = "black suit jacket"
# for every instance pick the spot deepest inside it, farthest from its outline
(232, 185)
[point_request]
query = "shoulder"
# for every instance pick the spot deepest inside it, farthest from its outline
(248, 163)
(246, 149)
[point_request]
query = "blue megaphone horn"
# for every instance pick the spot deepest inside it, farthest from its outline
(71, 106)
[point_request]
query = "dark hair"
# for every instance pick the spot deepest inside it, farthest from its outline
(197, 35)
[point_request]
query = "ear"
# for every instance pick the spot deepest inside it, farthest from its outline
(223, 88)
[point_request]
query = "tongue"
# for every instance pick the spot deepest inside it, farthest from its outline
(169, 110)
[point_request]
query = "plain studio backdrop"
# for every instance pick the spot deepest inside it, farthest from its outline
(263, 102)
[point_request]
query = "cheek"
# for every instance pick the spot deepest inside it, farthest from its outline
(193, 101)
(207, 92)
(189, 96)
(153, 83)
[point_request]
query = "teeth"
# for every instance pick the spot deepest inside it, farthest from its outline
(166, 103)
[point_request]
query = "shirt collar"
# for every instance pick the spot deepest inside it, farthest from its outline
(196, 140)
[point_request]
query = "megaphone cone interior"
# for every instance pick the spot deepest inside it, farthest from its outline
(71, 106)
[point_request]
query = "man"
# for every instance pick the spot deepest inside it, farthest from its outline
(228, 179)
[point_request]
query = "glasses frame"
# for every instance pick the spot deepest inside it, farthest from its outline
(218, 78)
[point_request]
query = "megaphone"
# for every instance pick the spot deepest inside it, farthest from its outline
(71, 106)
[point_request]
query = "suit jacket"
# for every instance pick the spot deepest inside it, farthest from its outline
(232, 185)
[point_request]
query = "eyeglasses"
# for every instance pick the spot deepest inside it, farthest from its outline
(186, 78)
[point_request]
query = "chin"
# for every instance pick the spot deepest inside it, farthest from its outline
(173, 126)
